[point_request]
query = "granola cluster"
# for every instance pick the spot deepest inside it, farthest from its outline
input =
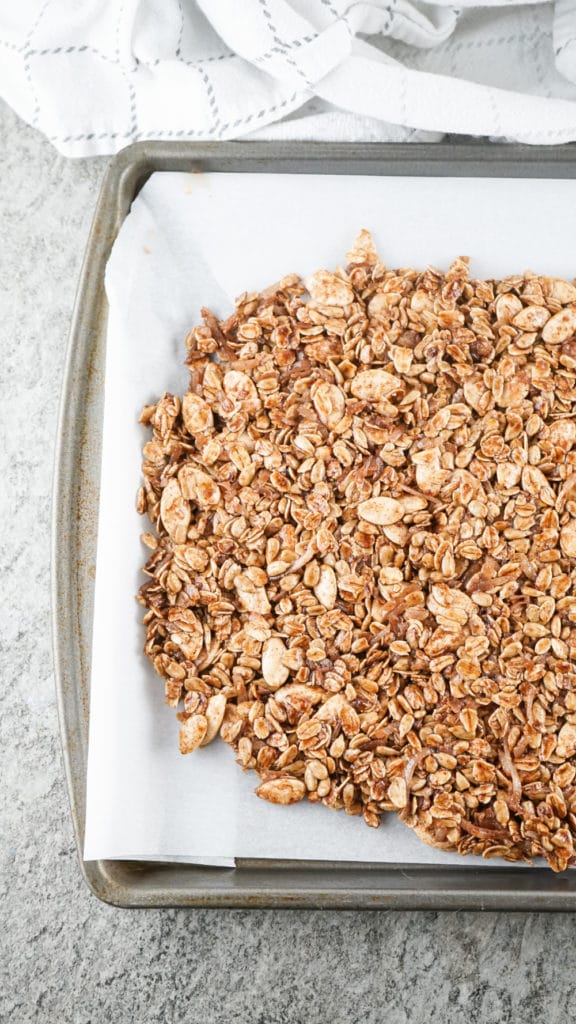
(362, 565)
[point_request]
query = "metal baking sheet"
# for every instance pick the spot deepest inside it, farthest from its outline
(75, 511)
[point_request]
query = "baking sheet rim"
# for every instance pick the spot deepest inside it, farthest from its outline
(251, 884)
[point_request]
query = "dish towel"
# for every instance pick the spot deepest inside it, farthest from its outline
(96, 76)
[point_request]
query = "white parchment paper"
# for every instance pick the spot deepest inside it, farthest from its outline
(201, 239)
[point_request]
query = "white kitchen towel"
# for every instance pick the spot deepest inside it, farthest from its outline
(96, 76)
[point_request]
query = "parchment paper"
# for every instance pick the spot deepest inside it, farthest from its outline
(193, 240)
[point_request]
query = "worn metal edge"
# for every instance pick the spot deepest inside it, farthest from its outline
(65, 625)
(291, 886)
(469, 158)
(124, 177)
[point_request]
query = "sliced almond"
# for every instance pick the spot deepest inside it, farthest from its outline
(561, 291)
(274, 670)
(397, 534)
(192, 733)
(508, 306)
(568, 539)
(299, 697)
(328, 289)
(381, 511)
(196, 413)
(331, 708)
(175, 512)
(413, 502)
(398, 792)
(329, 402)
(566, 746)
(326, 590)
(214, 717)
(251, 597)
(563, 434)
(198, 486)
(374, 385)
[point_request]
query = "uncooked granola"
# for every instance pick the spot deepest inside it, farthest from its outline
(362, 565)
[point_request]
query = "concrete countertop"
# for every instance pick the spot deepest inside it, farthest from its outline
(64, 957)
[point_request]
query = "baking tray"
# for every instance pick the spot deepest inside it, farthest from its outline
(252, 883)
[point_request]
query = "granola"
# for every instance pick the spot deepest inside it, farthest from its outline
(362, 564)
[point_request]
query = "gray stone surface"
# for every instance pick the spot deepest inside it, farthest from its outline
(65, 958)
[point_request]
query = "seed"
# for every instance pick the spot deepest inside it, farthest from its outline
(560, 327)
(283, 790)
(532, 318)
